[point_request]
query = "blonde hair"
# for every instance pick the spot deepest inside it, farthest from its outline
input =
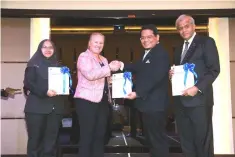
(94, 34)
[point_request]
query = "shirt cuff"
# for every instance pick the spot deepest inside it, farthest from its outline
(122, 66)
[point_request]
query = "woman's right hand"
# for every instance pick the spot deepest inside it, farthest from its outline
(51, 93)
(115, 65)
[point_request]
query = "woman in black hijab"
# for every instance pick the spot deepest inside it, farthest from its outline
(43, 109)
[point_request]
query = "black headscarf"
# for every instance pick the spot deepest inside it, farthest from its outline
(40, 61)
(38, 57)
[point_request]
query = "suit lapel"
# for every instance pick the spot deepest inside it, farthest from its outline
(191, 50)
(178, 55)
(142, 55)
(147, 56)
(96, 61)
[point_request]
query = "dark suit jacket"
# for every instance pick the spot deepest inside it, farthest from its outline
(203, 53)
(37, 100)
(151, 83)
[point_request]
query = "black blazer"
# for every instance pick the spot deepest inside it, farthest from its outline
(203, 53)
(37, 100)
(151, 83)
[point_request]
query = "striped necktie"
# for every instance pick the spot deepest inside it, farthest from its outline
(184, 52)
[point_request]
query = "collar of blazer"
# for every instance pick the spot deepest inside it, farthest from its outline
(147, 56)
(150, 53)
(91, 54)
(190, 51)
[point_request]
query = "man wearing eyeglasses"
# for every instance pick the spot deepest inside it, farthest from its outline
(151, 92)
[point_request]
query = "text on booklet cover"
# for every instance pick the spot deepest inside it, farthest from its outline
(121, 84)
(59, 80)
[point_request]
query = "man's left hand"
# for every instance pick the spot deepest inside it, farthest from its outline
(131, 96)
(192, 91)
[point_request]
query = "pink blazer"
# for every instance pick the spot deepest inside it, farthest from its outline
(91, 77)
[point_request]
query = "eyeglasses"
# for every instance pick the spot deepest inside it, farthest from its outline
(50, 47)
(147, 37)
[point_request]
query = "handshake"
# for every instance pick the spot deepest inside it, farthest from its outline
(115, 65)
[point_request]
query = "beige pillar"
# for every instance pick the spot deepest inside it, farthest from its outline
(232, 67)
(39, 30)
(15, 41)
(24, 36)
(222, 113)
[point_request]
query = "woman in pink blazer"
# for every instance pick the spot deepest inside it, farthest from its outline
(91, 97)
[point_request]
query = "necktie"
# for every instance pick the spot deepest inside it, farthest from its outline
(145, 54)
(185, 51)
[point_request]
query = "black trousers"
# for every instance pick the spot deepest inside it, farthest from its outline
(154, 131)
(135, 118)
(43, 132)
(92, 120)
(74, 137)
(133, 122)
(195, 129)
(109, 127)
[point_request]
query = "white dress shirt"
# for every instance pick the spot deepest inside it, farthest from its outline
(146, 52)
(189, 42)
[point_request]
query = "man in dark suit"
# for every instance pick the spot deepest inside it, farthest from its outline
(151, 90)
(194, 108)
